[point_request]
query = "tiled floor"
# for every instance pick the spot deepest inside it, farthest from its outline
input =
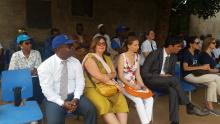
(161, 113)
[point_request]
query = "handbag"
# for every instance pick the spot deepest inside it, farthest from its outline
(104, 88)
(139, 93)
(200, 72)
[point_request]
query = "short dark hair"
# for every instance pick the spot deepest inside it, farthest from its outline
(172, 40)
(191, 40)
(148, 31)
(54, 30)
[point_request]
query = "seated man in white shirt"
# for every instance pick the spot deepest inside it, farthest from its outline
(62, 82)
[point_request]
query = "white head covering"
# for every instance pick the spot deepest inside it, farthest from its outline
(99, 26)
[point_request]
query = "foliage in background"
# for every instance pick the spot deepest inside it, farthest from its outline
(203, 8)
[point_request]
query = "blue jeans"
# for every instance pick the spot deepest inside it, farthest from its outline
(56, 114)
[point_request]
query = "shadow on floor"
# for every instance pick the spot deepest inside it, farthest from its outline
(161, 115)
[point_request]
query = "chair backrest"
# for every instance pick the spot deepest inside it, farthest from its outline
(16, 78)
(178, 70)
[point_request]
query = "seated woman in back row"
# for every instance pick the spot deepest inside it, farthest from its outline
(99, 69)
(27, 58)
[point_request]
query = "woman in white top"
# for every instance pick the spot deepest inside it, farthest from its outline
(26, 58)
(148, 45)
(129, 74)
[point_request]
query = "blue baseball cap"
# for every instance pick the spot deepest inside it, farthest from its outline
(60, 40)
(22, 37)
(121, 28)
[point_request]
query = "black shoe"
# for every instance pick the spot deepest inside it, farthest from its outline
(197, 111)
(174, 122)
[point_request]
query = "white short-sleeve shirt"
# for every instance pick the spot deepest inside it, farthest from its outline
(146, 47)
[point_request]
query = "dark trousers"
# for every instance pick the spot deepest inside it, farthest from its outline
(56, 114)
(171, 86)
(37, 92)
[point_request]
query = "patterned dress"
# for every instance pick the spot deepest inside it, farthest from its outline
(130, 70)
(19, 61)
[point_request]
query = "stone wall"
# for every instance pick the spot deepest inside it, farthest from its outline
(201, 26)
(139, 15)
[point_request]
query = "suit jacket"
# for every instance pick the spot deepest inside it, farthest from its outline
(153, 65)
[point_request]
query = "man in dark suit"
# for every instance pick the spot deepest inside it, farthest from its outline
(158, 72)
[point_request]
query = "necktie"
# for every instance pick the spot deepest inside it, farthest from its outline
(166, 65)
(151, 46)
(64, 81)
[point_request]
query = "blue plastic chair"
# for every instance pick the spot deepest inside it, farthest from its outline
(11, 114)
(187, 87)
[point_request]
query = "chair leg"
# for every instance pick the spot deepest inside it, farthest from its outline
(205, 93)
(155, 98)
(78, 116)
(190, 96)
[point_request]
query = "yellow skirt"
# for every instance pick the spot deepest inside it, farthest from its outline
(105, 104)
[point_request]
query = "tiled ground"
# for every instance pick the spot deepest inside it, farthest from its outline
(161, 113)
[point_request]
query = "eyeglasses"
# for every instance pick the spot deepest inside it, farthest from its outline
(27, 43)
(101, 44)
(197, 43)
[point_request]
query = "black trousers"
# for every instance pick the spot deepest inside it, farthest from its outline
(171, 86)
(37, 92)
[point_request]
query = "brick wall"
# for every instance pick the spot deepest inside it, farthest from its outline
(139, 15)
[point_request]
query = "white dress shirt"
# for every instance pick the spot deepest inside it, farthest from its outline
(50, 73)
(164, 58)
